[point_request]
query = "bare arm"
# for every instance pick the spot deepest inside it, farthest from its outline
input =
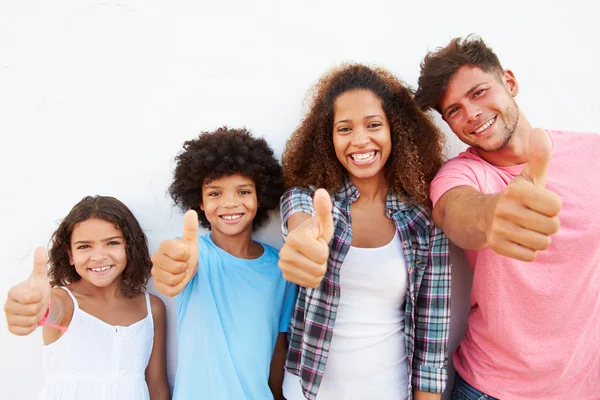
(156, 371)
(418, 395)
(277, 366)
(61, 313)
(463, 213)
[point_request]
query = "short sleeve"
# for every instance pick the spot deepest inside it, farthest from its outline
(456, 172)
(289, 300)
(293, 201)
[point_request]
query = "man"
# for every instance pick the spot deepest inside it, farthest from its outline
(524, 204)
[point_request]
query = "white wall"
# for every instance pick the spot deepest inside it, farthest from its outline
(96, 97)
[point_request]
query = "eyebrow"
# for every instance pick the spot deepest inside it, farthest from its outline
(475, 86)
(219, 187)
(365, 118)
(103, 240)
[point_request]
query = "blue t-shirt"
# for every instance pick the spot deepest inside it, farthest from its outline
(228, 319)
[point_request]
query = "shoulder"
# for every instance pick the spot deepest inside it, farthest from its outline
(584, 140)
(204, 241)
(158, 307)
(271, 253)
(298, 194)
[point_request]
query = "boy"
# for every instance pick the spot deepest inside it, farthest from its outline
(233, 305)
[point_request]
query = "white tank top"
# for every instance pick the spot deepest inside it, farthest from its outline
(367, 358)
(93, 360)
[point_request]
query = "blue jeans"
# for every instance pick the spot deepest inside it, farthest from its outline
(463, 391)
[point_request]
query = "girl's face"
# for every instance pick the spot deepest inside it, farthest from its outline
(98, 252)
(361, 133)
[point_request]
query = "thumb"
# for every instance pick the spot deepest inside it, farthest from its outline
(190, 227)
(540, 151)
(322, 203)
(40, 262)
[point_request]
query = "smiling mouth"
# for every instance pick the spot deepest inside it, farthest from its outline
(231, 218)
(101, 269)
(484, 126)
(364, 157)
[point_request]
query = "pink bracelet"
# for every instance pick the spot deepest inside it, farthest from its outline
(44, 322)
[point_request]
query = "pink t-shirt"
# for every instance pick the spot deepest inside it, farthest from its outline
(534, 328)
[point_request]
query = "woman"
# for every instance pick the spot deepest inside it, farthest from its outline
(372, 316)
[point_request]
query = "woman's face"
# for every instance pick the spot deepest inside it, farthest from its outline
(361, 134)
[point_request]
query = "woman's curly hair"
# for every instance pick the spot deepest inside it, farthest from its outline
(227, 152)
(109, 209)
(309, 158)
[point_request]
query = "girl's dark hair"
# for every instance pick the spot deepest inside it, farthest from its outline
(309, 158)
(226, 152)
(109, 209)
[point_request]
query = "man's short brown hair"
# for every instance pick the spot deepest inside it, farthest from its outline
(439, 66)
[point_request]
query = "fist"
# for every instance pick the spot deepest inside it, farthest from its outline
(303, 257)
(176, 260)
(27, 302)
(525, 214)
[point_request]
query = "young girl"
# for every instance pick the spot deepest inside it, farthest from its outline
(371, 320)
(104, 338)
(233, 305)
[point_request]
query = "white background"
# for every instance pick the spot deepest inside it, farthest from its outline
(97, 97)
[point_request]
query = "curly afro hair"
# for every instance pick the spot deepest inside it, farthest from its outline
(109, 209)
(309, 158)
(227, 152)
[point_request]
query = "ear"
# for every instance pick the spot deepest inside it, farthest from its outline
(70, 257)
(202, 206)
(510, 82)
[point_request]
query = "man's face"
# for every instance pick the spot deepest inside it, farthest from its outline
(480, 108)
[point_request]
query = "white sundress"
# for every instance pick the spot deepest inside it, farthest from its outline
(93, 360)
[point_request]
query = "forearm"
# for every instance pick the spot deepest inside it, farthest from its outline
(278, 367)
(464, 215)
(159, 390)
(419, 395)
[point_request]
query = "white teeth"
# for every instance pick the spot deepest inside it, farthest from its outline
(485, 126)
(232, 217)
(363, 156)
(101, 269)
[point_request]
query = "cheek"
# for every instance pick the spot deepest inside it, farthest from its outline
(339, 145)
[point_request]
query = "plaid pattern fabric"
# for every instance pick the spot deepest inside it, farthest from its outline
(427, 305)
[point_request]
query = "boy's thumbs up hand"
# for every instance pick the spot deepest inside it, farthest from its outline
(303, 257)
(525, 214)
(176, 260)
(27, 301)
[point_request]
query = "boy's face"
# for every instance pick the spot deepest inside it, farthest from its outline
(230, 204)
(480, 108)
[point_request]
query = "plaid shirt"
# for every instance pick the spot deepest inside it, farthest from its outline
(426, 325)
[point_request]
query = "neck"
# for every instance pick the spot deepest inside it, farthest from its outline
(372, 189)
(110, 292)
(240, 245)
(516, 150)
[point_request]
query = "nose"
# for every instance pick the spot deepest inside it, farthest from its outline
(360, 137)
(473, 112)
(230, 200)
(98, 255)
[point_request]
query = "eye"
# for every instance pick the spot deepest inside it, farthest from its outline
(244, 192)
(478, 93)
(344, 129)
(214, 194)
(83, 246)
(114, 243)
(451, 112)
(374, 125)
